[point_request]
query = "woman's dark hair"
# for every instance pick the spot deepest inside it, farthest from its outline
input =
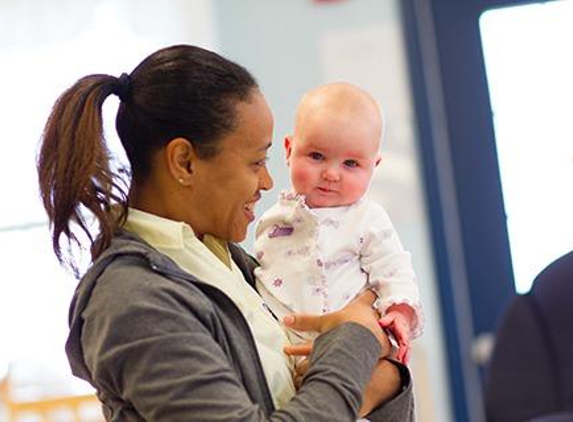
(180, 91)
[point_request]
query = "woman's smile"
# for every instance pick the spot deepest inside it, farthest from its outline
(250, 209)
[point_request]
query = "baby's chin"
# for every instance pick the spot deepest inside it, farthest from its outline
(323, 203)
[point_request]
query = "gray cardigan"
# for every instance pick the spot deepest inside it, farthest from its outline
(160, 345)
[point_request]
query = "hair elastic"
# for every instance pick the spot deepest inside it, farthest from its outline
(121, 88)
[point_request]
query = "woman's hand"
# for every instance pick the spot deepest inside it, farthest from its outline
(360, 311)
(385, 381)
(300, 352)
(383, 385)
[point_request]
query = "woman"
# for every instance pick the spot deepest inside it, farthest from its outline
(165, 324)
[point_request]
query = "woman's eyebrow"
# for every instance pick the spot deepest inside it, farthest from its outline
(265, 147)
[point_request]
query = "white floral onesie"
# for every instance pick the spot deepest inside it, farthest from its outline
(317, 260)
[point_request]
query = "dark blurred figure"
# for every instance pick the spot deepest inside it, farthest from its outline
(531, 371)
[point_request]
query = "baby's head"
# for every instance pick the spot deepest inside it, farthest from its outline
(335, 146)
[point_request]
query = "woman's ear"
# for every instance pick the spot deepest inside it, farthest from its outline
(180, 155)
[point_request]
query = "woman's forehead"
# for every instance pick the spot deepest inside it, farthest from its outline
(254, 128)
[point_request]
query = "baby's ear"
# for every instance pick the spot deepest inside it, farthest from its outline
(288, 147)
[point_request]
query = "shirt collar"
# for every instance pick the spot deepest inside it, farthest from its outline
(169, 234)
(157, 231)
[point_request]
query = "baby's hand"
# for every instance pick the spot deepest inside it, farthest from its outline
(398, 321)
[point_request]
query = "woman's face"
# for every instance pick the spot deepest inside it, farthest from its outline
(228, 186)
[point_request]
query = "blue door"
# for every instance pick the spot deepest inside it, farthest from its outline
(497, 175)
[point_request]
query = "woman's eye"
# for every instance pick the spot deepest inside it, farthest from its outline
(316, 156)
(261, 163)
(351, 163)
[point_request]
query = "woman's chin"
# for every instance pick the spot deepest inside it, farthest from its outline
(239, 234)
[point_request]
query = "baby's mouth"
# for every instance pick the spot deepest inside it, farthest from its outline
(325, 190)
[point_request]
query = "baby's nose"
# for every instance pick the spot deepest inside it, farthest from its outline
(330, 174)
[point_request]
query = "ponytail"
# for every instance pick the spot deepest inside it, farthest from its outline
(74, 169)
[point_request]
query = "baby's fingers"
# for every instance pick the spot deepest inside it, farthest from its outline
(403, 351)
(386, 321)
(407, 356)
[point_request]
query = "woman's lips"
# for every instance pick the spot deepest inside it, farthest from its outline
(250, 210)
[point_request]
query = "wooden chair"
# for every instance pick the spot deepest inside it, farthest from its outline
(48, 409)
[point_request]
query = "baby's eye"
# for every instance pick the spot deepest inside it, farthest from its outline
(351, 163)
(316, 156)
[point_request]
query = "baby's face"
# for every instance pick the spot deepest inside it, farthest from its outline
(332, 159)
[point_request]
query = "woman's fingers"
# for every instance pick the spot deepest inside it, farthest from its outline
(300, 370)
(360, 311)
(301, 366)
(303, 322)
(299, 349)
(297, 380)
(321, 323)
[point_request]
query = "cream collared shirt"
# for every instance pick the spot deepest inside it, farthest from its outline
(178, 242)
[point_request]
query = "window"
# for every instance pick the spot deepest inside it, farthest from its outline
(529, 70)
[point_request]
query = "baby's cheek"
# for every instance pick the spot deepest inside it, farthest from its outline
(356, 187)
(301, 179)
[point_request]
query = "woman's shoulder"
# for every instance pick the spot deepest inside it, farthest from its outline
(132, 274)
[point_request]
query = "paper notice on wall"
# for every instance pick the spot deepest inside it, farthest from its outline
(373, 58)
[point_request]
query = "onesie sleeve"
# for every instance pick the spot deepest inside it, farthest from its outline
(389, 266)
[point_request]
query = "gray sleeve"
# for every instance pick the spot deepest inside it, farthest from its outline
(150, 350)
(401, 407)
(152, 358)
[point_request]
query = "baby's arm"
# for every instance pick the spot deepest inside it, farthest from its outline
(390, 273)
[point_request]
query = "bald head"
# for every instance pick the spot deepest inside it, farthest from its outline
(341, 101)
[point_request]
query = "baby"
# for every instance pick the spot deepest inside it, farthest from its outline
(323, 243)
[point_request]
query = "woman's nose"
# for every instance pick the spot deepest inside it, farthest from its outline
(265, 179)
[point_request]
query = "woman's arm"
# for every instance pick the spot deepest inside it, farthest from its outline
(388, 394)
(400, 407)
(153, 351)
